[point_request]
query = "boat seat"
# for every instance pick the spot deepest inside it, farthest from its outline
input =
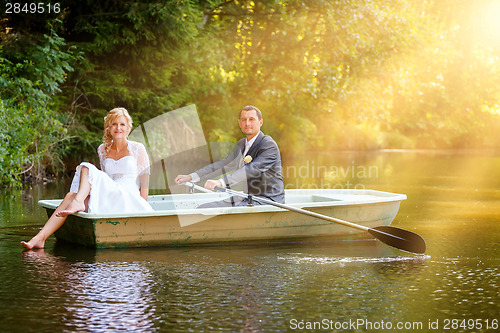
(320, 198)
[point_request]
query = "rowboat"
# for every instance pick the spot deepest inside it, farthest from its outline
(176, 220)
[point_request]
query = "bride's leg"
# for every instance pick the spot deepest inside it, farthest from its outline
(79, 202)
(71, 202)
(53, 223)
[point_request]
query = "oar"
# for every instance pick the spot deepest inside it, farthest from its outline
(396, 237)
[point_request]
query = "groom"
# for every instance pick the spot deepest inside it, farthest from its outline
(254, 163)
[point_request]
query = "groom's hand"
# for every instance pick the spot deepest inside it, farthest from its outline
(182, 179)
(211, 184)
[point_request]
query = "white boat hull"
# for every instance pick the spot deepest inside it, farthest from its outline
(176, 221)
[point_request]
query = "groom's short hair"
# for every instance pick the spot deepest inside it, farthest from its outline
(250, 108)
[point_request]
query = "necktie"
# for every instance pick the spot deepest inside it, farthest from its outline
(247, 148)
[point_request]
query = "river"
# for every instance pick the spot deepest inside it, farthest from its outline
(351, 286)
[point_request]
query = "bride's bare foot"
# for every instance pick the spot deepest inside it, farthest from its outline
(74, 207)
(34, 243)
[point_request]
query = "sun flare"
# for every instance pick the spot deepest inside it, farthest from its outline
(490, 22)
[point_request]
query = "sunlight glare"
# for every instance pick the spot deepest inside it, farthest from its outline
(491, 22)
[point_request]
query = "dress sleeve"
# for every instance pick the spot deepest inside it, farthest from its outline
(141, 156)
(102, 156)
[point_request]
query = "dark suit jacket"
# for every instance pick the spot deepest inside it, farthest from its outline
(261, 177)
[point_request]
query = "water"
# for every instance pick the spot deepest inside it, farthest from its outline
(453, 202)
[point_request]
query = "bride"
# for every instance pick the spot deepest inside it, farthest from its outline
(121, 186)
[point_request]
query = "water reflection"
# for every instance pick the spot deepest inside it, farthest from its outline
(95, 296)
(453, 202)
(468, 283)
(254, 289)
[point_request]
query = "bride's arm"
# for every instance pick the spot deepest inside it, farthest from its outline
(102, 156)
(144, 184)
(144, 171)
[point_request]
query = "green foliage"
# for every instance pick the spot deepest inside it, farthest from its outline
(400, 66)
(32, 131)
(133, 54)
(327, 75)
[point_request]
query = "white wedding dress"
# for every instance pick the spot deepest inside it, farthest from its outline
(115, 189)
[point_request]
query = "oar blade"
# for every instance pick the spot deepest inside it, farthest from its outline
(399, 238)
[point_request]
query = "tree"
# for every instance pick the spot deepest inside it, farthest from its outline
(32, 130)
(327, 74)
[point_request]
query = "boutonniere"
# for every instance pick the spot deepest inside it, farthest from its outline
(247, 159)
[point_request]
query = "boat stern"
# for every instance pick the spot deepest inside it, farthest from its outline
(76, 230)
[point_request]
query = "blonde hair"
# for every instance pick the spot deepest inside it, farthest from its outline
(108, 120)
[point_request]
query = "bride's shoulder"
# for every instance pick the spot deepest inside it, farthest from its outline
(135, 144)
(136, 147)
(101, 150)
